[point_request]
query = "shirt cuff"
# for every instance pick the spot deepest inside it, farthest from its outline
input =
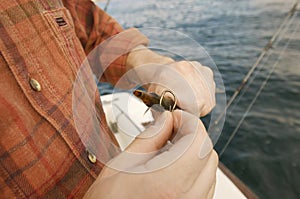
(114, 52)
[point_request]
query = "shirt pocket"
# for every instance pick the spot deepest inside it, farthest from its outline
(61, 23)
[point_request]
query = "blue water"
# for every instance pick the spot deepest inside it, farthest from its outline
(265, 152)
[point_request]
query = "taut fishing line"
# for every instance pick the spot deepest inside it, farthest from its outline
(264, 83)
(279, 35)
(264, 52)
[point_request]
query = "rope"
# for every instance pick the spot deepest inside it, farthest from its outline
(257, 94)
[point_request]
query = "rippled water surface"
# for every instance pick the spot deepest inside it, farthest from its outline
(265, 152)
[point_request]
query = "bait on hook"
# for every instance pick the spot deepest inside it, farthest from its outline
(150, 99)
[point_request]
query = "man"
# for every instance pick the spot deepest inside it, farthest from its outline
(43, 45)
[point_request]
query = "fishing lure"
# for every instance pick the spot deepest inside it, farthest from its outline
(150, 99)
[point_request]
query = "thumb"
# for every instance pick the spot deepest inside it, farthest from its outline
(154, 137)
(143, 148)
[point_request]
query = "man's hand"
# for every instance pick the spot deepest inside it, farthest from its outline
(147, 169)
(192, 84)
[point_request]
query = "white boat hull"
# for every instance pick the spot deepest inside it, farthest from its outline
(126, 115)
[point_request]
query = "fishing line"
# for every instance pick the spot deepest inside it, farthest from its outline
(259, 69)
(258, 61)
(106, 5)
(259, 92)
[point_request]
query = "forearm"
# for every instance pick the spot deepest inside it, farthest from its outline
(142, 55)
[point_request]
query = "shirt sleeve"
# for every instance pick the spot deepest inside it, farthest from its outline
(93, 26)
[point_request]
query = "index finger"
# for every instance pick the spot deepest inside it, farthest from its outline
(190, 152)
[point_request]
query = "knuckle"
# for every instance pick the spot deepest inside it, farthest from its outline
(182, 64)
(212, 102)
(206, 110)
(209, 71)
(215, 158)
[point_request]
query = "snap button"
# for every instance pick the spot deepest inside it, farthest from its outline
(92, 158)
(35, 85)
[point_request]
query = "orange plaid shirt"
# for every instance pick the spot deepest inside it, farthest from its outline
(42, 45)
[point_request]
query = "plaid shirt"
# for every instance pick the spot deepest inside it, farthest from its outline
(42, 45)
